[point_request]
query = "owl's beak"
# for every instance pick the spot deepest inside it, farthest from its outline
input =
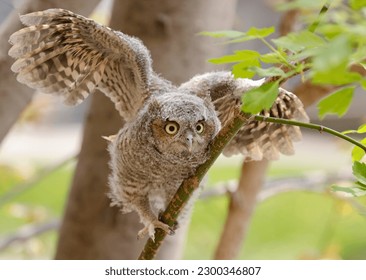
(189, 141)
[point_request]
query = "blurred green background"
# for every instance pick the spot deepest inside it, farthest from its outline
(291, 225)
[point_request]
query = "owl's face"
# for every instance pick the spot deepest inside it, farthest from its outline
(183, 126)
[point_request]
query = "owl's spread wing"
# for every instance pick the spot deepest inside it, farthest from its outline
(260, 139)
(255, 140)
(67, 54)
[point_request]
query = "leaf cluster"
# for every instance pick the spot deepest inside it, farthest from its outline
(331, 44)
(329, 49)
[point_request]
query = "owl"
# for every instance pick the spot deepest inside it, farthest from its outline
(168, 129)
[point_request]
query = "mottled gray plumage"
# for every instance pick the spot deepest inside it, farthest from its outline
(168, 128)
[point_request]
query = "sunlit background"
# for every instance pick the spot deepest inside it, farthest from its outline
(297, 216)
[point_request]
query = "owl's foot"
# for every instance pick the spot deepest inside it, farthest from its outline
(150, 229)
(174, 227)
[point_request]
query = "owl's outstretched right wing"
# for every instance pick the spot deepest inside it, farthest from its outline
(69, 55)
(255, 140)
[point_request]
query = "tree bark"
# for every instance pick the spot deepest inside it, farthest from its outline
(91, 229)
(13, 95)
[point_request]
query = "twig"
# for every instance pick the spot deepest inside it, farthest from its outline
(318, 127)
(310, 182)
(28, 232)
(322, 12)
(20, 188)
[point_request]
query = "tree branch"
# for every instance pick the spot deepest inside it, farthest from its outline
(22, 187)
(28, 232)
(318, 127)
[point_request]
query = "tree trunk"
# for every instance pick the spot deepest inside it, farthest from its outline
(241, 206)
(91, 229)
(13, 95)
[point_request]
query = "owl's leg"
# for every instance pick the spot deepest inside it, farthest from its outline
(142, 207)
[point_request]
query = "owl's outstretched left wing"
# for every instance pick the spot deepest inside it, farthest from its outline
(69, 55)
(255, 140)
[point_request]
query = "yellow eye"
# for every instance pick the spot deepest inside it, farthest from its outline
(171, 128)
(199, 128)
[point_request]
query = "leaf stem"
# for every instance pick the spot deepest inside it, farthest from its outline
(284, 60)
(318, 127)
(322, 12)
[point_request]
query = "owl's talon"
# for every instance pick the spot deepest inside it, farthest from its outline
(150, 229)
(160, 214)
(173, 228)
(171, 231)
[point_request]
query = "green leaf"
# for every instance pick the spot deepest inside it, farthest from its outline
(357, 4)
(333, 55)
(301, 4)
(257, 99)
(331, 30)
(260, 32)
(336, 103)
(295, 57)
(350, 190)
(273, 57)
(298, 41)
(330, 64)
(244, 69)
(254, 33)
(357, 152)
(359, 55)
(363, 83)
(361, 128)
(360, 185)
(335, 76)
(269, 72)
(349, 131)
(359, 170)
(222, 34)
(236, 57)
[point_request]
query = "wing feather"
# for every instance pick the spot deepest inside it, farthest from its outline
(255, 140)
(69, 55)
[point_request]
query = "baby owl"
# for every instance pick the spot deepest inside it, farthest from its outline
(168, 128)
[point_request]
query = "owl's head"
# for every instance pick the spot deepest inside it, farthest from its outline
(182, 125)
